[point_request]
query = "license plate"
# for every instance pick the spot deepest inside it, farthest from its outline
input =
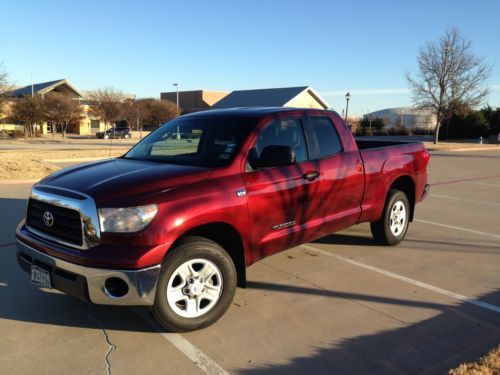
(40, 277)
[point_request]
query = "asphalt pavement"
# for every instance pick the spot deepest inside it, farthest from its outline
(340, 305)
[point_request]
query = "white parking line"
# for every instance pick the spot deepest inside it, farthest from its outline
(200, 359)
(464, 199)
(457, 228)
(408, 280)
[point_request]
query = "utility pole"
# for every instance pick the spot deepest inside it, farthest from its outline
(177, 102)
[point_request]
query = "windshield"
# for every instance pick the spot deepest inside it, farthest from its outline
(197, 141)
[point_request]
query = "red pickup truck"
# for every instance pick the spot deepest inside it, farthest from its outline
(174, 222)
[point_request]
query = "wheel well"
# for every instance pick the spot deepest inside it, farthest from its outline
(229, 239)
(407, 186)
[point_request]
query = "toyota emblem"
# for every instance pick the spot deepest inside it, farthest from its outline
(48, 218)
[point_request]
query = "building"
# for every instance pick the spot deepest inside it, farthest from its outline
(86, 126)
(194, 101)
(201, 100)
(301, 97)
(409, 117)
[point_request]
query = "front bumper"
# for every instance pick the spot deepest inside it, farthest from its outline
(426, 191)
(91, 283)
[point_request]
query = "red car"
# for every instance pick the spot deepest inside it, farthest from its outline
(174, 222)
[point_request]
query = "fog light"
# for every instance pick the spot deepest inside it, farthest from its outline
(115, 287)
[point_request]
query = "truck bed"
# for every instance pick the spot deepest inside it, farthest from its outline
(373, 144)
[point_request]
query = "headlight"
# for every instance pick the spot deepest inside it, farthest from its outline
(129, 219)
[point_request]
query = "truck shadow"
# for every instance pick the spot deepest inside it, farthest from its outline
(431, 346)
(346, 239)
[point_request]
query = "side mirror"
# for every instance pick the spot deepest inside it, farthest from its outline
(274, 156)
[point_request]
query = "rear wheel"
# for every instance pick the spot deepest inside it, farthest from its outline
(392, 226)
(196, 285)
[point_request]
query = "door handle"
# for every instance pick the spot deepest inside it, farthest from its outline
(310, 176)
(359, 165)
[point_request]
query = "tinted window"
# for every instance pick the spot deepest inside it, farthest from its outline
(198, 141)
(326, 136)
(283, 133)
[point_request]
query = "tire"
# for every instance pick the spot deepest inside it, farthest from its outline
(392, 227)
(186, 300)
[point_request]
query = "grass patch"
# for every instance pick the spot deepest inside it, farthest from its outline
(486, 365)
(31, 164)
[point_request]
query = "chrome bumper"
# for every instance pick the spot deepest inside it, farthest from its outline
(141, 283)
(426, 191)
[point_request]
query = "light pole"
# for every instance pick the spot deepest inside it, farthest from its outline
(370, 119)
(347, 97)
(177, 104)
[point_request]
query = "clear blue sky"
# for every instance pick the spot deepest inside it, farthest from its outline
(142, 47)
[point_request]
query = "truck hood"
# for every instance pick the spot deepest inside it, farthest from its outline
(117, 182)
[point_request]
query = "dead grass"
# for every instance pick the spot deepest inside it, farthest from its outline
(31, 164)
(486, 365)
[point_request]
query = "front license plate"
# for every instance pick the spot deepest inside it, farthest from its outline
(40, 277)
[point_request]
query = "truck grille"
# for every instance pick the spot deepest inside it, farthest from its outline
(66, 224)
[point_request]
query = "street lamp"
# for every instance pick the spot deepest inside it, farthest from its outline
(347, 97)
(177, 96)
(177, 103)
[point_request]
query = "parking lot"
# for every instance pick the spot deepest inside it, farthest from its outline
(339, 305)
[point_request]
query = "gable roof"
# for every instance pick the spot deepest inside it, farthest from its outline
(43, 88)
(277, 97)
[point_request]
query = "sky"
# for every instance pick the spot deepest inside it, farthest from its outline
(143, 47)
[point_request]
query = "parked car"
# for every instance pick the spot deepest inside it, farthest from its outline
(115, 133)
(173, 226)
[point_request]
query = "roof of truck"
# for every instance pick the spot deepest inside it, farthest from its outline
(255, 112)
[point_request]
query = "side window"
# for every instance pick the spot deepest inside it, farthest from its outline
(283, 133)
(326, 135)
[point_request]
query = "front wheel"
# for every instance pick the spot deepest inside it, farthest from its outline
(195, 287)
(392, 226)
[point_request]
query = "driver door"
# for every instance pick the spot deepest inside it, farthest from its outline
(283, 201)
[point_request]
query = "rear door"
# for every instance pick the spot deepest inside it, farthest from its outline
(342, 180)
(282, 201)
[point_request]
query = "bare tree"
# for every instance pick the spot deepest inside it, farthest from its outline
(133, 113)
(449, 76)
(148, 111)
(105, 104)
(60, 110)
(28, 110)
(5, 88)
(159, 111)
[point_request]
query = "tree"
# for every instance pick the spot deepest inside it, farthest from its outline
(28, 110)
(449, 76)
(106, 104)
(376, 123)
(5, 88)
(158, 111)
(61, 110)
(492, 116)
(148, 111)
(472, 124)
(132, 114)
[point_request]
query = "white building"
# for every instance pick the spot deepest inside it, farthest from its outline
(409, 117)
